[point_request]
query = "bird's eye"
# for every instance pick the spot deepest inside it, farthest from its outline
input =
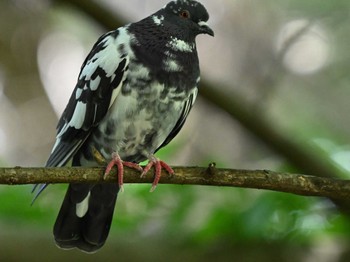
(185, 14)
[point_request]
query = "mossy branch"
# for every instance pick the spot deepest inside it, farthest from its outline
(210, 176)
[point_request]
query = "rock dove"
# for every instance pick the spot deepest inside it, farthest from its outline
(135, 89)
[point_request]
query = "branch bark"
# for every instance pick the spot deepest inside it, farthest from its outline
(211, 176)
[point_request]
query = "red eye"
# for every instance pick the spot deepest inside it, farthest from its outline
(185, 14)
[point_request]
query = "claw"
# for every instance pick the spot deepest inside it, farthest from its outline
(117, 161)
(158, 165)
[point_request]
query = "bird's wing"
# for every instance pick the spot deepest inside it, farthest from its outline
(181, 121)
(99, 83)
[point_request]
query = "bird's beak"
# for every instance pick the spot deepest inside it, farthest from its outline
(205, 29)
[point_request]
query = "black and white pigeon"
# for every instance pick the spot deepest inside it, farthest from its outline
(134, 92)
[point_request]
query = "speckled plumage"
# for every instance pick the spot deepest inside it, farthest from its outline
(134, 92)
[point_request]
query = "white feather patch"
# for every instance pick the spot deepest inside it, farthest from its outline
(180, 45)
(158, 20)
(78, 93)
(171, 65)
(107, 58)
(94, 84)
(82, 207)
(78, 115)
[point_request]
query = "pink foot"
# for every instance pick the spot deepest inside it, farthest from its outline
(158, 165)
(117, 161)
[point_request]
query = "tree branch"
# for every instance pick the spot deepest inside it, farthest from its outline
(259, 179)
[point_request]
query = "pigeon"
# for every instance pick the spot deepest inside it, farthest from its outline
(134, 92)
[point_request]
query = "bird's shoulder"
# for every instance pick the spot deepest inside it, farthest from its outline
(100, 77)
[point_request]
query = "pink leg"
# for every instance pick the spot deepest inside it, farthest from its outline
(117, 161)
(158, 165)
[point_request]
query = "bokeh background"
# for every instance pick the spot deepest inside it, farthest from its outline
(274, 95)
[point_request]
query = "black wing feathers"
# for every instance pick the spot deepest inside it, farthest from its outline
(89, 101)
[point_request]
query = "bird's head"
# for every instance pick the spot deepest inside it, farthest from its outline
(187, 15)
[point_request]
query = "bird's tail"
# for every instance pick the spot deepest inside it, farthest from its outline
(85, 216)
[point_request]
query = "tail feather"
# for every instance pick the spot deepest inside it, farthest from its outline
(90, 231)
